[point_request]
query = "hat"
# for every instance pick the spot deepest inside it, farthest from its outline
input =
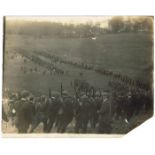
(84, 96)
(97, 93)
(65, 93)
(55, 94)
(25, 93)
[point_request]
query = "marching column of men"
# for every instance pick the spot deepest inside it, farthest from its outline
(60, 111)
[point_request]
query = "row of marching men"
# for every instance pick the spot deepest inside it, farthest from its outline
(83, 113)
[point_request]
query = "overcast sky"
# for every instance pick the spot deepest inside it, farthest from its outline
(63, 19)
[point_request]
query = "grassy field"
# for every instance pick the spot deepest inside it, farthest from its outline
(127, 53)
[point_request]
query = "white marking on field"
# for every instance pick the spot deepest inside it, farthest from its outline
(93, 38)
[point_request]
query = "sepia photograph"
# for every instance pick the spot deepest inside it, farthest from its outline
(77, 74)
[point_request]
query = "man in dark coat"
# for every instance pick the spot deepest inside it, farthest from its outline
(66, 112)
(105, 116)
(23, 112)
(82, 116)
(24, 115)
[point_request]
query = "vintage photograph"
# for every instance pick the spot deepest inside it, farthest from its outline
(77, 74)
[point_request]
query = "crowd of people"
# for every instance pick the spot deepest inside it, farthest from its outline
(84, 112)
(74, 63)
(49, 67)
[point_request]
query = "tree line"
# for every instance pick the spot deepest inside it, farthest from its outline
(130, 24)
(116, 24)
